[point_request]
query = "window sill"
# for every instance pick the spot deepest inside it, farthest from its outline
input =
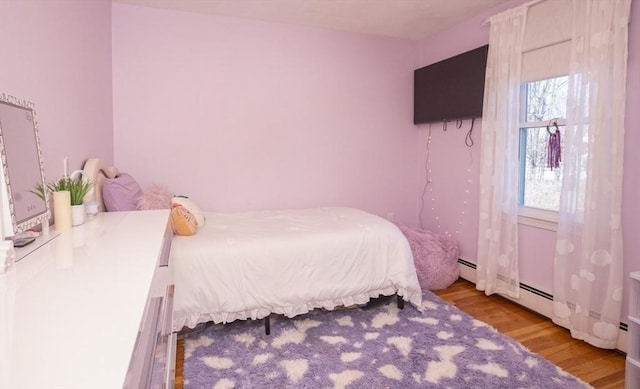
(538, 218)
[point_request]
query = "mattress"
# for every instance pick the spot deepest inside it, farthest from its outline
(249, 265)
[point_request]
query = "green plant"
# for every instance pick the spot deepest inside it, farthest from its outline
(78, 188)
(39, 190)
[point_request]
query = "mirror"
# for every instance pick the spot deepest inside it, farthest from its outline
(22, 167)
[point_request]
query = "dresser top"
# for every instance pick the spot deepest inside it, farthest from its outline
(70, 310)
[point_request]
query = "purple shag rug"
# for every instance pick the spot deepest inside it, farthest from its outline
(383, 347)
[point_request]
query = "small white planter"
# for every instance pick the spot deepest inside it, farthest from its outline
(77, 214)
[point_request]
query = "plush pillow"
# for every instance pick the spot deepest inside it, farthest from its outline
(158, 197)
(191, 207)
(121, 193)
(184, 223)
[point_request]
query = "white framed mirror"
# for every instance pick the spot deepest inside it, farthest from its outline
(22, 167)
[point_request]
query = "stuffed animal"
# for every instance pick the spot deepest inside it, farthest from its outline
(191, 207)
(184, 223)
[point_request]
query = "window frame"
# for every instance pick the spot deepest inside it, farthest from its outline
(532, 216)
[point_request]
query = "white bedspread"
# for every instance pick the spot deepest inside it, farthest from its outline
(248, 265)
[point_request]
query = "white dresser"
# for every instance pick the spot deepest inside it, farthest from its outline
(90, 309)
(632, 376)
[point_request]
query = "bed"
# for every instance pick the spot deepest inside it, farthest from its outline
(248, 265)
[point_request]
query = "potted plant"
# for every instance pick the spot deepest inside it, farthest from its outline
(77, 187)
(40, 191)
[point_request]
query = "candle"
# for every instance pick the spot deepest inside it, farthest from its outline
(62, 210)
(65, 168)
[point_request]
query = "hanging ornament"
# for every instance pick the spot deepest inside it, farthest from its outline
(554, 152)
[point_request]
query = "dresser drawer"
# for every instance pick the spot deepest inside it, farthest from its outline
(633, 346)
(153, 360)
(163, 274)
(632, 374)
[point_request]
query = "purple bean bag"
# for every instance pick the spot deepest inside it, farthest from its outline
(435, 257)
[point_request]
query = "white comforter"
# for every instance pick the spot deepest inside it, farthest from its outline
(248, 265)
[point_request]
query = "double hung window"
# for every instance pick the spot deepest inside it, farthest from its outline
(544, 106)
(543, 102)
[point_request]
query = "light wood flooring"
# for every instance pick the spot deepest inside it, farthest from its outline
(603, 369)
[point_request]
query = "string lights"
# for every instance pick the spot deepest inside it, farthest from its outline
(429, 187)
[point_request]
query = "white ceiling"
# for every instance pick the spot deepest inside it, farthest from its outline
(409, 19)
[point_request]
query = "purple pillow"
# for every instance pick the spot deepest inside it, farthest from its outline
(121, 193)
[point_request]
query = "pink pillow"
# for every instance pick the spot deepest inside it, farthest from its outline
(158, 197)
(121, 193)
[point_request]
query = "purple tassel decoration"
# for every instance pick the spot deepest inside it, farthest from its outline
(554, 153)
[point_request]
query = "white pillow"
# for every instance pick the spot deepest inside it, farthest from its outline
(191, 207)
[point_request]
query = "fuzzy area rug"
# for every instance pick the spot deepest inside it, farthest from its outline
(383, 347)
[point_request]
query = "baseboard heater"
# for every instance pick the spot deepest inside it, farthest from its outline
(530, 289)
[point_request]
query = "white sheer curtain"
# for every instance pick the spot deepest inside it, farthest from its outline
(497, 267)
(588, 270)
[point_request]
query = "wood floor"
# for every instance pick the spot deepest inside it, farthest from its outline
(600, 368)
(603, 369)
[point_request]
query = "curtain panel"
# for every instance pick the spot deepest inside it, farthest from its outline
(497, 267)
(588, 273)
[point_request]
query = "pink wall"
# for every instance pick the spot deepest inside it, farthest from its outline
(451, 160)
(243, 115)
(58, 55)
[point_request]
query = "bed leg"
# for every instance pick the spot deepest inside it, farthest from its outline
(400, 302)
(267, 325)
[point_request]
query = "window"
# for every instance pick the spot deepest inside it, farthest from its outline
(544, 102)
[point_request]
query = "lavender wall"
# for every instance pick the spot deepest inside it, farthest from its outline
(58, 55)
(450, 162)
(243, 115)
